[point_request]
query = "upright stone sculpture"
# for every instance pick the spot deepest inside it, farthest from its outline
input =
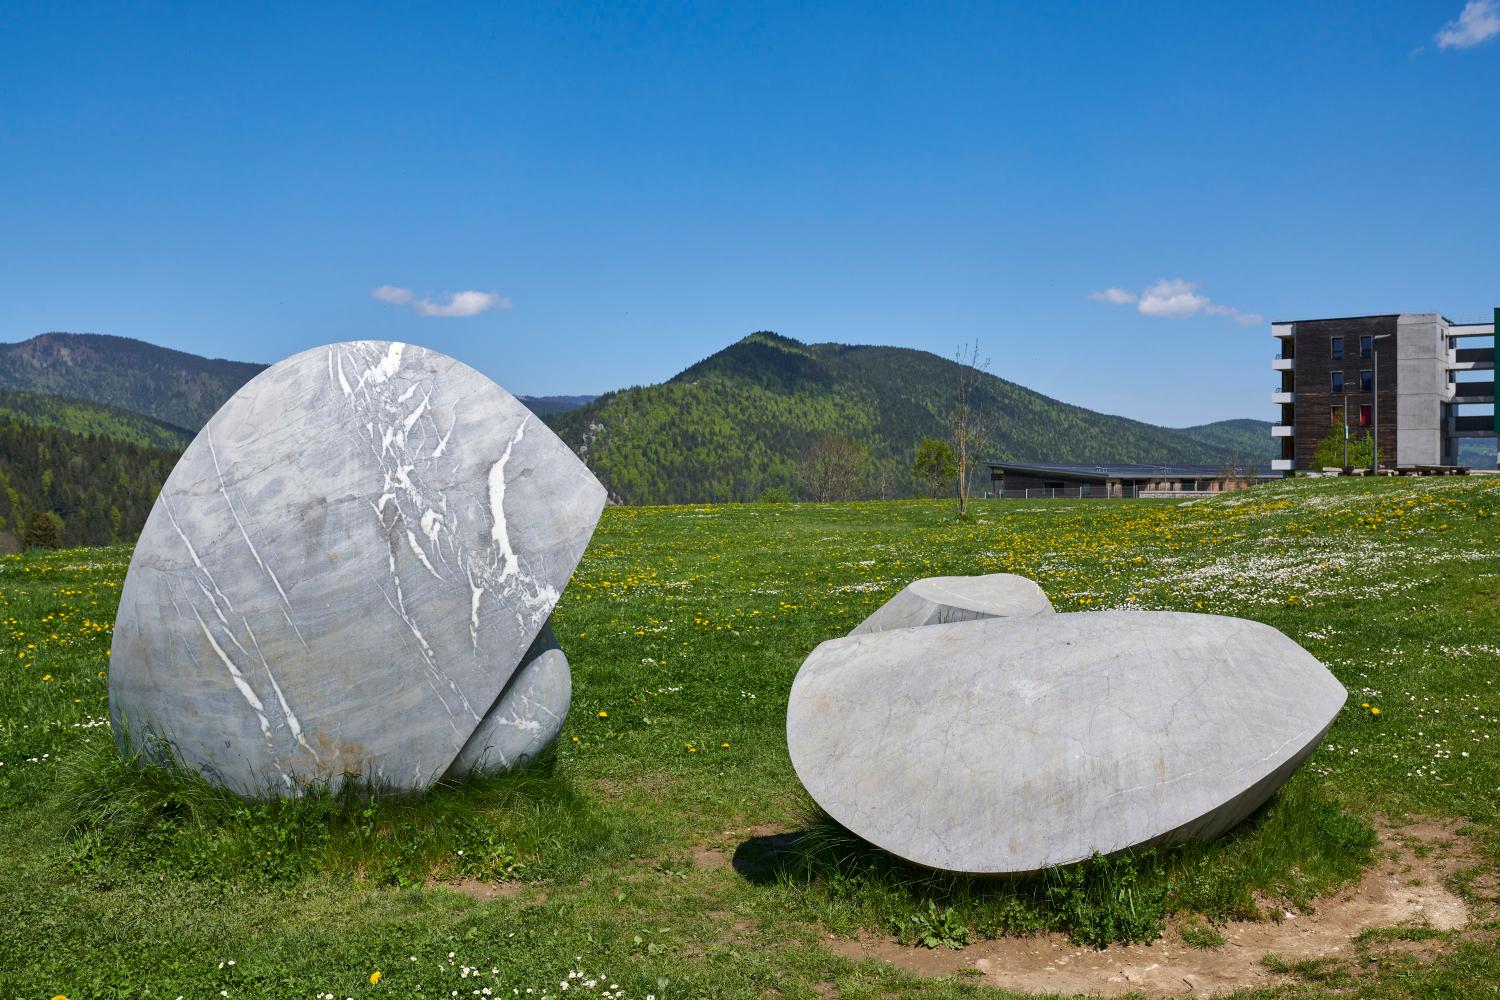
(1007, 745)
(344, 572)
(938, 600)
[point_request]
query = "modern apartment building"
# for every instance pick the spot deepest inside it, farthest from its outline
(1418, 381)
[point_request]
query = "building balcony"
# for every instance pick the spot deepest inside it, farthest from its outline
(1281, 465)
(1472, 358)
(1281, 364)
(1281, 329)
(1472, 425)
(1282, 431)
(1283, 396)
(1473, 392)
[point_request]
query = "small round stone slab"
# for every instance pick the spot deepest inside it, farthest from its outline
(1007, 745)
(938, 600)
(527, 716)
(343, 571)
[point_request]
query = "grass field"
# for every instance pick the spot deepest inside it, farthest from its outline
(608, 867)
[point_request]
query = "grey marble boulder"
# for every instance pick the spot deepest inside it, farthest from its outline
(1007, 745)
(527, 716)
(343, 573)
(938, 600)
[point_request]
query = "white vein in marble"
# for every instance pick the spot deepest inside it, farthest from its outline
(938, 600)
(1006, 745)
(344, 570)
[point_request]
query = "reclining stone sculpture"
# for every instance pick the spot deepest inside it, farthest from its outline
(1004, 745)
(350, 572)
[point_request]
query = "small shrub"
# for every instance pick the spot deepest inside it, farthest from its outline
(44, 531)
(931, 928)
(774, 494)
(1103, 900)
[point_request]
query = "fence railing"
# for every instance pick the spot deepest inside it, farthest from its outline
(1094, 493)
(1063, 493)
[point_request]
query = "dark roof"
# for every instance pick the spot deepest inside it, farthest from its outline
(1334, 319)
(1343, 319)
(1103, 472)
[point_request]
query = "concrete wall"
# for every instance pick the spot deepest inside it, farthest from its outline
(1421, 388)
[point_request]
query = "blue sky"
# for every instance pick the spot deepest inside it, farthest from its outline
(623, 190)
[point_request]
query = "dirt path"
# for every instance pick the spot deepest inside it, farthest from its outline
(1407, 887)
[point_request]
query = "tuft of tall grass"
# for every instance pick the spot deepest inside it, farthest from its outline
(1302, 844)
(532, 824)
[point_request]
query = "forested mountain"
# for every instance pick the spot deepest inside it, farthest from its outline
(171, 386)
(102, 488)
(178, 389)
(726, 428)
(1251, 439)
(82, 417)
(736, 423)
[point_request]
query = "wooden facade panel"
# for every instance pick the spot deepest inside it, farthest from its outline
(1312, 381)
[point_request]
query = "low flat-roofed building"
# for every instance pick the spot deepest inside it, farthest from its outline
(1035, 480)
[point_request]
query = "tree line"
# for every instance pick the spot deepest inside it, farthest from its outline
(59, 488)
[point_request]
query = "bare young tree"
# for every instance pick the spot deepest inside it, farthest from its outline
(833, 467)
(885, 478)
(1232, 473)
(966, 426)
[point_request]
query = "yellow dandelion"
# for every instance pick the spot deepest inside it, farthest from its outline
(603, 715)
(1375, 711)
(725, 745)
(374, 977)
(46, 677)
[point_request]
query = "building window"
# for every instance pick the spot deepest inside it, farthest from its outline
(1366, 382)
(1338, 348)
(1337, 381)
(1335, 414)
(1364, 414)
(1366, 347)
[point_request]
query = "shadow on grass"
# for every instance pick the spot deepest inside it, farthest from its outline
(1299, 845)
(533, 824)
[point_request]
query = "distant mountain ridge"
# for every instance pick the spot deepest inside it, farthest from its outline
(736, 422)
(724, 428)
(544, 406)
(176, 388)
(171, 386)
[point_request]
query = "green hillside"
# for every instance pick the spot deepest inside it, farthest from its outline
(170, 386)
(82, 417)
(102, 488)
(1250, 438)
(736, 422)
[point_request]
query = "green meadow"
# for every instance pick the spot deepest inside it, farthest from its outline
(666, 849)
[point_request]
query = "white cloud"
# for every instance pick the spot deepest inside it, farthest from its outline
(1480, 19)
(458, 304)
(1174, 298)
(392, 294)
(1117, 296)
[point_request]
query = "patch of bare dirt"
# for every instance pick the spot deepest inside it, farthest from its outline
(486, 891)
(707, 857)
(1407, 887)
